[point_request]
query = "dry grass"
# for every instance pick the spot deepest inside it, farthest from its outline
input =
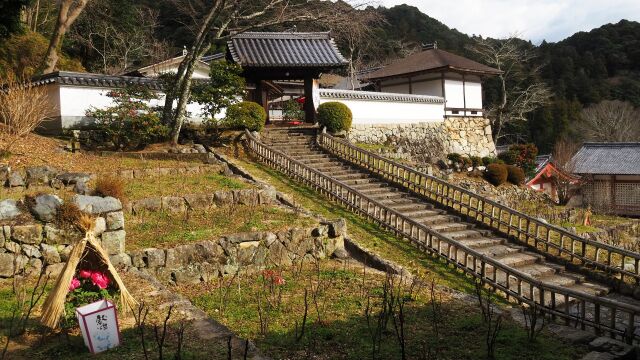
(162, 229)
(23, 106)
(108, 185)
(174, 185)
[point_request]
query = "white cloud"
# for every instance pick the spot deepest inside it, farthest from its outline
(552, 20)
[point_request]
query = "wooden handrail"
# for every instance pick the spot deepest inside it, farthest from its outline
(513, 283)
(520, 226)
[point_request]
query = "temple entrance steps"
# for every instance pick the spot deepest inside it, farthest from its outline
(484, 241)
(301, 145)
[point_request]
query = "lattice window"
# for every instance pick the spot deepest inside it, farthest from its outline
(628, 194)
(598, 194)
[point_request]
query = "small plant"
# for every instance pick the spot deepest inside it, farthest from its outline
(110, 186)
(68, 214)
(496, 174)
(130, 123)
(86, 287)
(246, 115)
(466, 162)
(515, 175)
(335, 116)
(292, 111)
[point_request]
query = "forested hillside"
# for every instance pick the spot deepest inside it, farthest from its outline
(113, 36)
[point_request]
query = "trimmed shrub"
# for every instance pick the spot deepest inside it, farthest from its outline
(515, 175)
(486, 160)
(475, 161)
(496, 174)
(454, 157)
(521, 155)
(246, 115)
(466, 162)
(110, 186)
(336, 116)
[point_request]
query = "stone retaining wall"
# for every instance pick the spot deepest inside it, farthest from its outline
(469, 136)
(202, 261)
(38, 242)
(181, 204)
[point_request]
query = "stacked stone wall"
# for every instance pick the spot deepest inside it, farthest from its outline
(30, 237)
(244, 252)
(469, 136)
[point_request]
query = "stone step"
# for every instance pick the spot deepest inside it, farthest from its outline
(350, 177)
(421, 213)
(370, 185)
(360, 181)
(347, 171)
(376, 190)
(449, 226)
(480, 242)
(431, 221)
(519, 259)
(496, 251)
(461, 234)
(540, 270)
(411, 206)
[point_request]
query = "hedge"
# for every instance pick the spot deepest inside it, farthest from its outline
(336, 116)
(246, 115)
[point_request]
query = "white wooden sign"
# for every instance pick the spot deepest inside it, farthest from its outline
(99, 324)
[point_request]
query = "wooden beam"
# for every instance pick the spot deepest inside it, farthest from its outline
(309, 108)
(464, 95)
(410, 86)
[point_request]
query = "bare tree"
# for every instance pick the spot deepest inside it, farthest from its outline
(118, 47)
(356, 33)
(610, 121)
(563, 152)
(39, 14)
(214, 21)
(521, 92)
(69, 10)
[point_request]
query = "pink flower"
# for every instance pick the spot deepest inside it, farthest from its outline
(279, 280)
(75, 283)
(100, 280)
(85, 274)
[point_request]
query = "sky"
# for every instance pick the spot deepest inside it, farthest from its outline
(535, 20)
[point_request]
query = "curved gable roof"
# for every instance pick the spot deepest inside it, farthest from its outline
(431, 60)
(285, 49)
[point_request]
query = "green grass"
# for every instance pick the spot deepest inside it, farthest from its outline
(364, 232)
(163, 229)
(340, 327)
(376, 147)
(206, 183)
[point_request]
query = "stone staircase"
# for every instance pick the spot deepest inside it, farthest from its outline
(300, 144)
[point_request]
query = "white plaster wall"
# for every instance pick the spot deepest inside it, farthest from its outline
(454, 93)
(368, 112)
(75, 101)
(473, 93)
(430, 87)
(397, 89)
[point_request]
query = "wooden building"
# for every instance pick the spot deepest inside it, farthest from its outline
(269, 57)
(547, 176)
(610, 174)
(436, 72)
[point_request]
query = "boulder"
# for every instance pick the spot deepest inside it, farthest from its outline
(188, 275)
(154, 257)
(27, 234)
(40, 175)
(81, 188)
(150, 204)
(54, 270)
(99, 225)
(15, 180)
(338, 228)
(4, 173)
(200, 148)
(340, 253)
(120, 260)
(617, 348)
(8, 209)
(55, 236)
(97, 204)
(6, 265)
(12, 247)
(113, 242)
(174, 204)
(200, 201)
(115, 220)
(222, 197)
(50, 254)
(45, 207)
(74, 178)
(31, 251)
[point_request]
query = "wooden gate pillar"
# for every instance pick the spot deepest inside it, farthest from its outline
(309, 106)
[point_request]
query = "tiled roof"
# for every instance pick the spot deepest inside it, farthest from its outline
(607, 158)
(285, 49)
(94, 80)
(431, 60)
(378, 96)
